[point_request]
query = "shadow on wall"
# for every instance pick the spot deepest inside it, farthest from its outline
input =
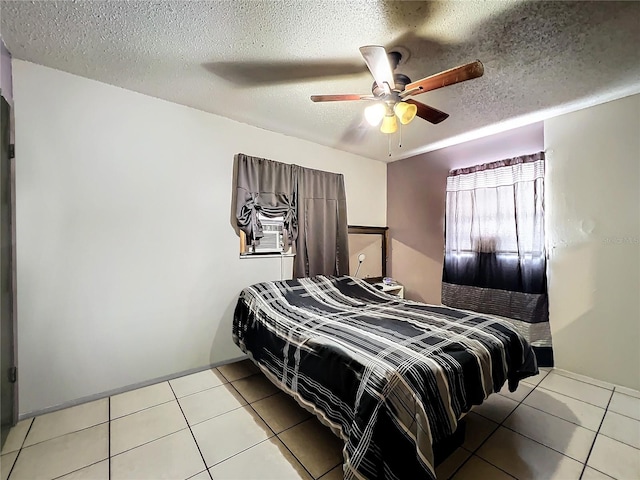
(223, 345)
(233, 220)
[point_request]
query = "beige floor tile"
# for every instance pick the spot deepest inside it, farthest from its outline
(334, 474)
(478, 469)
(201, 476)
(446, 469)
(583, 378)
(144, 426)
(625, 405)
(615, 458)
(6, 464)
(314, 445)
(591, 474)
(236, 371)
(280, 411)
(496, 408)
(62, 455)
(136, 400)
(197, 382)
(226, 435)
(576, 389)
(269, 460)
(565, 437)
(536, 379)
(621, 428)
(575, 411)
(525, 459)
(16, 436)
(210, 403)
(628, 391)
(97, 471)
(521, 392)
(255, 388)
(175, 456)
(478, 430)
(72, 419)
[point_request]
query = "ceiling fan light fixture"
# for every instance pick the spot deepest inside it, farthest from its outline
(375, 113)
(389, 124)
(405, 112)
(390, 91)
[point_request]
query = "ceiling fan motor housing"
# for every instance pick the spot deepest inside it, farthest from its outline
(394, 101)
(400, 80)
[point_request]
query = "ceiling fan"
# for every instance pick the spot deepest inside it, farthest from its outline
(390, 92)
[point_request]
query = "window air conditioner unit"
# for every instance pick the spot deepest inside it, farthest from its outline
(273, 239)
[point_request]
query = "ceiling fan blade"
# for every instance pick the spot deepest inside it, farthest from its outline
(448, 77)
(340, 98)
(430, 114)
(377, 60)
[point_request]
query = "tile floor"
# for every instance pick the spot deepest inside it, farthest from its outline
(232, 423)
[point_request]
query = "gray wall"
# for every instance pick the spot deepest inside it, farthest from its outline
(416, 190)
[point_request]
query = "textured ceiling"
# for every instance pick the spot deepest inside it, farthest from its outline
(259, 61)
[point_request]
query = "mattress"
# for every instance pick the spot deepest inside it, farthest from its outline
(392, 377)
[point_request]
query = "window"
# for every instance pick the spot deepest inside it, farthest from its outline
(495, 258)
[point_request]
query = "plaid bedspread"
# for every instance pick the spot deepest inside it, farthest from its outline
(392, 377)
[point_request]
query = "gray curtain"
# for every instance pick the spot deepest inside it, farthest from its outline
(312, 202)
(322, 247)
(268, 188)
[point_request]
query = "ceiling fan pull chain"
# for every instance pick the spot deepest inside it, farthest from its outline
(400, 137)
(389, 138)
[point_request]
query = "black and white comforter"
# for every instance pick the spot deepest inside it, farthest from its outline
(392, 377)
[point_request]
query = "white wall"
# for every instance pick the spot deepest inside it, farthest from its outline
(593, 230)
(128, 265)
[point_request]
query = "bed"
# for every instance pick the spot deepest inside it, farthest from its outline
(391, 377)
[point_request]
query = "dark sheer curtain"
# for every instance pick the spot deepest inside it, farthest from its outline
(313, 204)
(322, 247)
(495, 260)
